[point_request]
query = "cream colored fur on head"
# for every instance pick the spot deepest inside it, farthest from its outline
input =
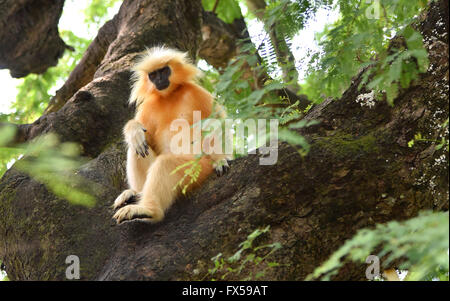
(182, 70)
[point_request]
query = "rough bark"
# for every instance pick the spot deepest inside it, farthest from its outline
(359, 172)
(29, 38)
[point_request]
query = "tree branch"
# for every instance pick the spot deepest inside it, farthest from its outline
(29, 38)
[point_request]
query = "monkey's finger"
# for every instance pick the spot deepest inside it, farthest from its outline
(147, 148)
(220, 171)
(140, 150)
(143, 147)
(144, 152)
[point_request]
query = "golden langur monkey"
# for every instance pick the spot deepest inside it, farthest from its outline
(163, 91)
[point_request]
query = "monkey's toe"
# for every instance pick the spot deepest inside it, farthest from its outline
(132, 200)
(222, 168)
(130, 212)
(126, 197)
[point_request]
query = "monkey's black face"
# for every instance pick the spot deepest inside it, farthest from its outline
(160, 77)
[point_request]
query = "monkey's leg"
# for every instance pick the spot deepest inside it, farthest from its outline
(162, 187)
(137, 168)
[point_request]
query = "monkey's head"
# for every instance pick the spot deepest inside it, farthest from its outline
(160, 70)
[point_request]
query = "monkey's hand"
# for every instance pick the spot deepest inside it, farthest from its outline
(221, 167)
(135, 138)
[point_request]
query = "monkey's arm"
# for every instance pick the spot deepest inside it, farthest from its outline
(134, 133)
(220, 161)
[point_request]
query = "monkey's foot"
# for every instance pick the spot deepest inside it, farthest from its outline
(126, 197)
(136, 211)
(221, 167)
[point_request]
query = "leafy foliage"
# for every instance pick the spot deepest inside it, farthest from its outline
(227, 10)
(238, 91)
(55, 164)
(443, 142)
(96, 11)
(191, 170)
(421, 243)
(51, 163)
(7, 154)
(247, 255)
(210, 78)
(291, 16)
(360, 39)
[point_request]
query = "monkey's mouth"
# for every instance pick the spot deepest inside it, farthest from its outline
(162, 85)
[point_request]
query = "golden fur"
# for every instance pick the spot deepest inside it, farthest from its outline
(150, 177)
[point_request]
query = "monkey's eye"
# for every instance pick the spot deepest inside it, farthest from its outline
(166, 71)
(152, 75)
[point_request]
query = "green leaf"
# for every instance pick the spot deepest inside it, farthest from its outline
(391, 93)
(303, 123)
(395, 70)
(7, 133)
(294, 138)
(227, 10)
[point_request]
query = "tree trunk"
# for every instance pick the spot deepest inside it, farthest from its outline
(29, 38)
(359, 172)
